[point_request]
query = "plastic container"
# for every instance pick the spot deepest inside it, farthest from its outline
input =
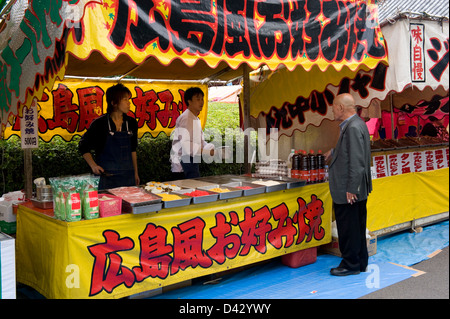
(289, 161)
(109, 205)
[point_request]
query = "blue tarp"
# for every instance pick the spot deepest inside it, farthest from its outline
(273, 280)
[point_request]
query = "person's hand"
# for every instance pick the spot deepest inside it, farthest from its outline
(328, 155)
(351, 198)
(97, 170)
(136, 177)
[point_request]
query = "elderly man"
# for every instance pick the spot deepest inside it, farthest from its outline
(350, 183)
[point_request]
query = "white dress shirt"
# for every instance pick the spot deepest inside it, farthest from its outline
(187, 139)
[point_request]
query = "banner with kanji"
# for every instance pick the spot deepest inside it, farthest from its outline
(417, 87)
(118, 256)
(325, 33)
(73, 104)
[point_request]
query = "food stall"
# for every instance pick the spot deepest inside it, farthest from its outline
(159, 242)
(151, 245)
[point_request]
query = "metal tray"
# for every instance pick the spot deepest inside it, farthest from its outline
(233, 192)
(192, 183)
(271, 188)
(139, 209)
(220, 179)
(255, 188)
(290, 182)
(42, 204)
(184, 201)
(199, 199)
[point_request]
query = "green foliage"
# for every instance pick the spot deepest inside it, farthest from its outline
(222, 116)
(61, 158)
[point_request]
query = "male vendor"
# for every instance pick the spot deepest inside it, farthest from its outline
(188, 142)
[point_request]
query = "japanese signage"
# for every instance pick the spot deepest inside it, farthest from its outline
(417, 52)
(288, 32)
(426, 66)
(380, 167)
(409, 162)
(32, 50)
(72, 105)
(128, 254)
(29, 127)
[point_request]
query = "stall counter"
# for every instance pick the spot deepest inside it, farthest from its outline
(123, 255)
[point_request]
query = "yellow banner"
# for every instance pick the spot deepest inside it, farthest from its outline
(73, 104)
(123, 255)
(323, 33)
(403, 198)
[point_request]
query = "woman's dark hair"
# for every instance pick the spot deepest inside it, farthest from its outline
(191, 92)
(114, 94)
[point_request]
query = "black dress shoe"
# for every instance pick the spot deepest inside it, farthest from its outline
(339, 271)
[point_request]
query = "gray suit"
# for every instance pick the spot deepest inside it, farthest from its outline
(350, 172)
(350, 164)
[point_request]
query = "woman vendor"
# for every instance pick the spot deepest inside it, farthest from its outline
(113, 137)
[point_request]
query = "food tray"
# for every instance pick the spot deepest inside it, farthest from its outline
(139, 209)
(220, 179)
(198, 199)
(255, 189)
(184, 201)
(290, 182)
(192, 183)
(233, 192)
(270, 184)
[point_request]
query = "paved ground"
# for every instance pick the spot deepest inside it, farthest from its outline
(433, 284)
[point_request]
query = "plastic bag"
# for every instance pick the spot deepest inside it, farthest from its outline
(75, 197)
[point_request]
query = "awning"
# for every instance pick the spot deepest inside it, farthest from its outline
(180, 40)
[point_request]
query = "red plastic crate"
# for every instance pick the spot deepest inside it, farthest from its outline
(300, 258)
(110, 207)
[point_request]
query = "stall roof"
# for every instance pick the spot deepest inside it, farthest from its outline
(390, 10)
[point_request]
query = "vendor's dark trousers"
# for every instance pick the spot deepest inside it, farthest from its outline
(190, 167)
(351, 225)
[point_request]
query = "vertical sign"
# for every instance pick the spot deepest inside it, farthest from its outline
(417, 33)
(394, 164)
(29, 126)
(380, 166)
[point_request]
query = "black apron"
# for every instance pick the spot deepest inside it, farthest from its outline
(116, 160)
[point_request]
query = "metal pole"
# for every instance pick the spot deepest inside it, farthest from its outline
(391, 97)
(246, 119)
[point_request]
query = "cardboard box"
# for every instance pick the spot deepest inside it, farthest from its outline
(7, 218)
(333, 247)
(7, 267)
